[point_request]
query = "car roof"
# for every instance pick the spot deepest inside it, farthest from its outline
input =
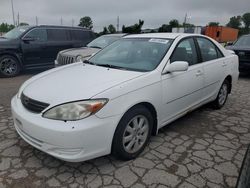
(160, 35)
(116, 35)
(57, 27)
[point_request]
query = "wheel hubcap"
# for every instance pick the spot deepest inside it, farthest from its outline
(135, 134)
(223, 94)
(8, 66)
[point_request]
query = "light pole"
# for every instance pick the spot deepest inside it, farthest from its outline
(13, 14)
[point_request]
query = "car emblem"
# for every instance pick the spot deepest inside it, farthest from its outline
(241, 53)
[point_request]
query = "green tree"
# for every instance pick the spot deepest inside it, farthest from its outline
(246, 19)
(103, 32)
(164, 28)
(111, 28)
(136, 28)
(174, 23)
(235, 22)
(213, 24)
(23, 24)
(188, 25)
(86, 22)
(4, 27)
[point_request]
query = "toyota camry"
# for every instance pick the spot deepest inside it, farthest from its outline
(114, 102)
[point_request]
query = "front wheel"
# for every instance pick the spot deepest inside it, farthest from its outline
(9, 66)
(222, 95)
(133, 133)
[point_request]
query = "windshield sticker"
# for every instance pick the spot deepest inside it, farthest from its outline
(162, 41)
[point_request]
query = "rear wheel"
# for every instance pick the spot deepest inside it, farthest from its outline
(133, 133)
(222, 95)
(9, 66)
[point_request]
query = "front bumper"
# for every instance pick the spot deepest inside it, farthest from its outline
(72, 141)
(244, 65)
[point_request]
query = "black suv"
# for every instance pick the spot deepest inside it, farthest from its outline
(242, 48)
(32, 47)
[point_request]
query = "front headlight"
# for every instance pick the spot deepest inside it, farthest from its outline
(75, 110)
(79, 58)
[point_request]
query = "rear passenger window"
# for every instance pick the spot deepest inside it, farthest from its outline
(185, 51)
(58, 35)
(80, 35)
(208, 50)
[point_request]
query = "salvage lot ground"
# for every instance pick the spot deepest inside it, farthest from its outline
(203, 149)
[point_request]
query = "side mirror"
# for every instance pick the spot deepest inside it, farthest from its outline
(177, 66)
(28, 39)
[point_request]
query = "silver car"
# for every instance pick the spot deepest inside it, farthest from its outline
(80, 54)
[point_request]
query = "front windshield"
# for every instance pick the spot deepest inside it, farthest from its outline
(103, 41)
(138, 54)
(15, 33)
(243, 41)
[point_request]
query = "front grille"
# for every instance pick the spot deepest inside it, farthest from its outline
(64, 59)
(243, 55)
(33, 105)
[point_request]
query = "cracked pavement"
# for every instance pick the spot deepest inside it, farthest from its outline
(203, 149)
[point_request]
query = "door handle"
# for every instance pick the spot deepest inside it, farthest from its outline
(198, 73)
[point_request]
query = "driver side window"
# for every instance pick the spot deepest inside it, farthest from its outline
(185, 51)
(37, 34)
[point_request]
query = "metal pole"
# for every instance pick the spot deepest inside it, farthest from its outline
(118, 23)
(13, 14)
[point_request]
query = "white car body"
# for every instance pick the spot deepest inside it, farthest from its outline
(170, 95)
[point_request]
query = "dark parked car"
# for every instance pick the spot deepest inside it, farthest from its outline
(32, 47)
(242, 48)
(80, 54)
(244, 177)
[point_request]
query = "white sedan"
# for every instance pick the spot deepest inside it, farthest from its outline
(124, 94)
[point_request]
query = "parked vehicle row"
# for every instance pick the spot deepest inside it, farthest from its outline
(80, 54)
(35, 47)
(242, 48)
(114, 101)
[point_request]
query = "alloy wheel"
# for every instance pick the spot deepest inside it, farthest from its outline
(135, 134)
(223, 94)
(8, 66)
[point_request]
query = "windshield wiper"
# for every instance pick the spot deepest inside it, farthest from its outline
(88, 62)
(111, 66)
(95, 47)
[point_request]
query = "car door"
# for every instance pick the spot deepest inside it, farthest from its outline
(182, 90)
(58, 39)
(33, 45)
(214, 65)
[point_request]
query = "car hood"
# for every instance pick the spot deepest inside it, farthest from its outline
(6, 43)
(85, 52)
(244, 48)
(75, 82)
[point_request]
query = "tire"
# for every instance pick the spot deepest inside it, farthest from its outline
(9, 66)
(221, 98)
(131, 138)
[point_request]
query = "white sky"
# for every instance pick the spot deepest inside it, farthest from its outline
(153, 12)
